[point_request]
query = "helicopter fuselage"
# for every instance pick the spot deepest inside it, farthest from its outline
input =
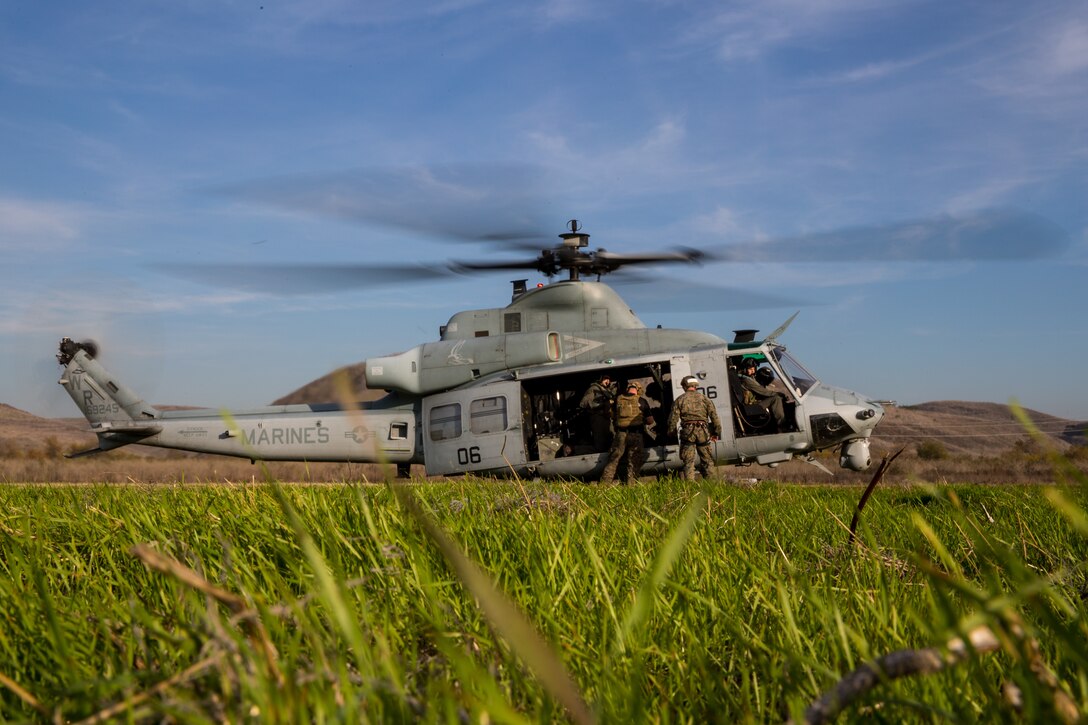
(499, 393)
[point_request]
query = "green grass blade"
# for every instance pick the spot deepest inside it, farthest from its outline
(504, 616)
(668, 554)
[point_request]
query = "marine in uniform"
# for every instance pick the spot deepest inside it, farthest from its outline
(597, 401)
(756, 393)
(699, 426)
(630, 415)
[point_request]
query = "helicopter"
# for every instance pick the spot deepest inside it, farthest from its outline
(498, 393)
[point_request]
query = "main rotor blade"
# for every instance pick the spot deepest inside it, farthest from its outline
(615, 261)
(551, 261)
(495, 266)
(292, 279)
(666, 294)
(466, 202)
(994, 234)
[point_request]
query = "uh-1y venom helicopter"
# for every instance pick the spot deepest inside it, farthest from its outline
(498, 393)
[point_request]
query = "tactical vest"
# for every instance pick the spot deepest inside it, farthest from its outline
(628, 411)
(692, 409)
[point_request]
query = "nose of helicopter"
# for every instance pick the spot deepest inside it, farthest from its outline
(869, 415)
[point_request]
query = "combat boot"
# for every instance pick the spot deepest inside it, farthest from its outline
(608, 474)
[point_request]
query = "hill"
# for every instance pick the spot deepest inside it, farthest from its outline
(325, 389)
(986, 429)
(22, 431)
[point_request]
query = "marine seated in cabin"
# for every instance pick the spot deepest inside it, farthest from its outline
(756, 386)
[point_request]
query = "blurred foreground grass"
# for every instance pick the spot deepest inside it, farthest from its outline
(663, 602)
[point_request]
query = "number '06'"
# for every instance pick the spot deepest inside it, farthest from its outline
(466, 456)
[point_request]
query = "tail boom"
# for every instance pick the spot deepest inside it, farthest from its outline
(374, 432)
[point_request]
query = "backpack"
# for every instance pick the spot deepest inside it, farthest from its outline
(628, 411)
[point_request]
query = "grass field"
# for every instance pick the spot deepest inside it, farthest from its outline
(665, 601)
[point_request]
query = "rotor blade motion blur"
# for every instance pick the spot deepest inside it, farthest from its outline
(466, 202)
(989, 235)
(297, 279)
(982, 236)
(666, 294)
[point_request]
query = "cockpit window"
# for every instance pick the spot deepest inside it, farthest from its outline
(802, 379)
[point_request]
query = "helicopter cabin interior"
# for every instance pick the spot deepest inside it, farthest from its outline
(557, 426)
(475, 428)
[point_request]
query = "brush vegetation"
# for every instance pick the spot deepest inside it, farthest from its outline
(485, 601)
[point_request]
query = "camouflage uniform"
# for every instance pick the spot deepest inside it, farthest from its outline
(692, 411)
(628, 442)
(598, 401)
(767, 398)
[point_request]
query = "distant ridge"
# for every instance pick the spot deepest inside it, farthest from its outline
(8, 412)
(21, 430)
(970, 427)
(324, 389)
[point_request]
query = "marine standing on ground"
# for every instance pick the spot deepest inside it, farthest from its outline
(699, 426)
(631, 413)
(598, 401)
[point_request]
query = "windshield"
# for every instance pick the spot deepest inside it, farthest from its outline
(802, 379)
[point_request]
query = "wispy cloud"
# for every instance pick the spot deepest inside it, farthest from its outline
(375, 12)
(720, 224)
(1069, 52)
(747, 30)
(1047, 64)
(37, 226)
(990, 192)
(594, 165)
(565, 11)
(65, 309)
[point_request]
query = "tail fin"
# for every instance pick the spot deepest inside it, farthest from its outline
(102, 400)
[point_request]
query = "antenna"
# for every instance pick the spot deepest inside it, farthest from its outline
(574, 240)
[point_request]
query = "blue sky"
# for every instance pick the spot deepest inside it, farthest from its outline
(125, 126)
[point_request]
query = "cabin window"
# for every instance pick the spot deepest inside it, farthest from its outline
(445, 423)
(398, 431)
(487, 415)
(802, 379)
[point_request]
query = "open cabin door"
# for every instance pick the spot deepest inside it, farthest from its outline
(709, 367)
(473, 430)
